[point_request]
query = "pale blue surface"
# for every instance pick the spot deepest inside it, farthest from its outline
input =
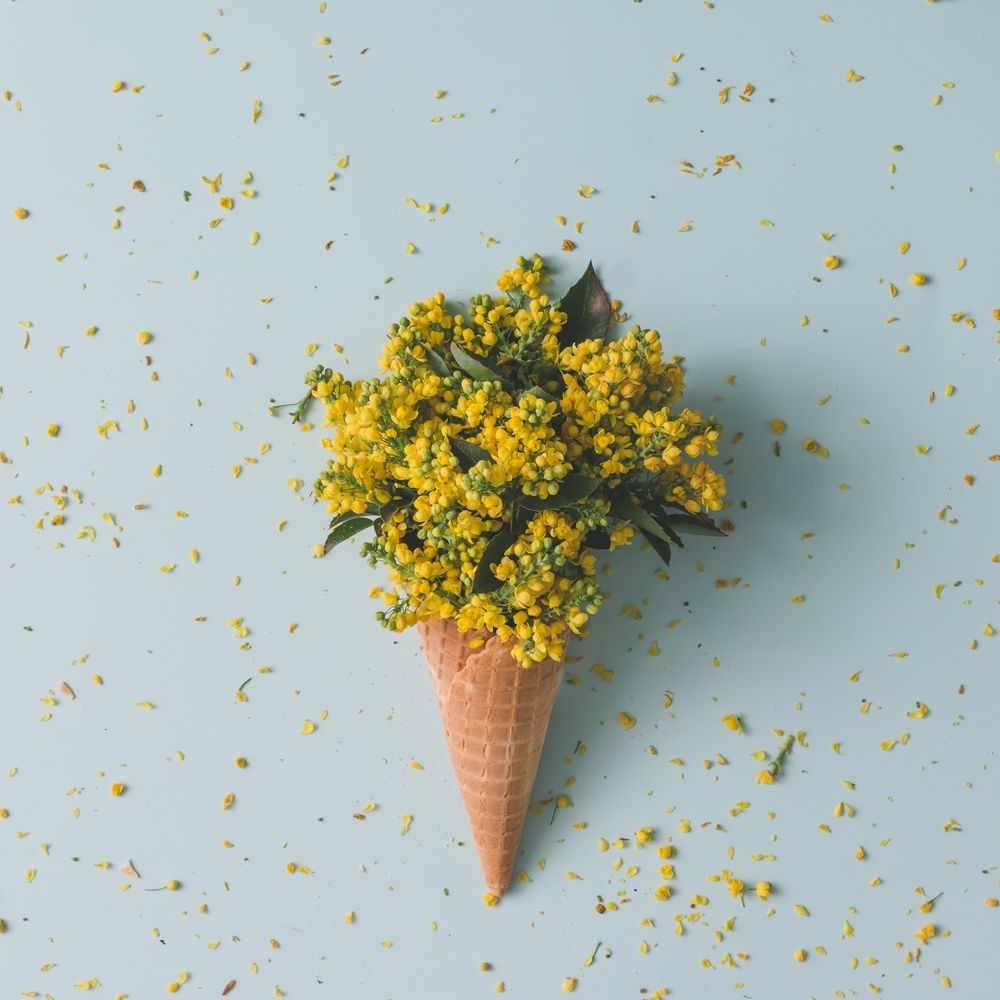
(568, 82)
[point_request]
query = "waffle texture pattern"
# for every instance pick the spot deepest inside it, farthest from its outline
(495, 714)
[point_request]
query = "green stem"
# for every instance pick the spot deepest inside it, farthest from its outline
(300, 411)
(300, 407)
(779, 759)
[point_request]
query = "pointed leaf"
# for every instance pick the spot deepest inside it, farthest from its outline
(662, 519)
(572, 489)
(388, 509)
(587, 308)
(485, 580)
(467, 453)
(436, 363)
(537, 390)
(661, 547)
(345, 530)
(628, 510)
(475, 366)
(641, 478)
(598, 539)
(340, 518)
(695, 524)
(370, 511)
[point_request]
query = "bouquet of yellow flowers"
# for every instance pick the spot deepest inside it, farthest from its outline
(500, 446)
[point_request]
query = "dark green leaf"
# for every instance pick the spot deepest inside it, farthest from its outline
(641, 478)
(537, 390)
(520, 519)
(598, 539)
(661, 547)
(370, 511)
(474, 365)
(587, 308)
(485, 580)
(695, 524)
(436, 363)
(662, 519)
(628, 510)
(572, 489)
(467, 453)
(346, 529)
(388, 509)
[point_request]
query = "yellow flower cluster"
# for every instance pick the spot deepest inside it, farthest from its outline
(498, 448)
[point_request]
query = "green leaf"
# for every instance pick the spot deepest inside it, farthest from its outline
(370, 511)
(598, 539)
(436, 363)
(661, 547)
(520, 518)
(386, 511)
(475, 366)
(695, 524)
(485, 580)
(587, 308)
(397, 503)
(467, 453)
(660, 535)
(628, 510)
(346, 529)
(660, 516)
(537, 390)
(572, 489)
(641, 478)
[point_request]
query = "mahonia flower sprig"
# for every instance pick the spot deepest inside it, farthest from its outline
(500, 446)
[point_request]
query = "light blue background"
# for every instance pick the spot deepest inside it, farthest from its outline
(553, 97)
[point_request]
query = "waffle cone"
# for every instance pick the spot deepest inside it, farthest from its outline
(495, 714)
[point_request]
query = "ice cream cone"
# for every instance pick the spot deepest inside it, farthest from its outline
(495, 714)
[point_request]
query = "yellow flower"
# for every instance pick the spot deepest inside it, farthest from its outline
(481, 421)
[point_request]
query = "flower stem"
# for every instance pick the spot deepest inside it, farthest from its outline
(779, 758)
